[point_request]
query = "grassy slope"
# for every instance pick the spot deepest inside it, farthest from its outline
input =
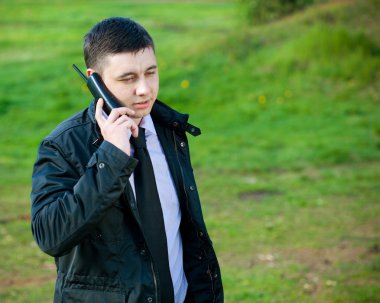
(289, 160)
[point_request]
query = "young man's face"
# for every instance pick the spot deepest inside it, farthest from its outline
(133, 79)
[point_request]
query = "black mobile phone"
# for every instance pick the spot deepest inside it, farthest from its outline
(99, 90)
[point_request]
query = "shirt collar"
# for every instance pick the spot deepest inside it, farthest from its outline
(147, 123)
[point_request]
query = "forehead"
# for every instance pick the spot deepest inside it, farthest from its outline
(137, 62)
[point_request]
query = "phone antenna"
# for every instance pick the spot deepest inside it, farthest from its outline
(79, 72)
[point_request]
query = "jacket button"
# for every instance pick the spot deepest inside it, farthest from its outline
(182, 144)
(200, 234)
(143, 252)
(192, 187)
(215, 276)
(101, 165)
(149, 299)
(175, 123)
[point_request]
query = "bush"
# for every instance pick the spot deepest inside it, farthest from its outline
(262, 11)
(332, 52)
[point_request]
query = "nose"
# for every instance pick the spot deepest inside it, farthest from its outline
(142, 88)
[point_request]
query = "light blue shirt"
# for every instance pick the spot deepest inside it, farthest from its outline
(170, 207)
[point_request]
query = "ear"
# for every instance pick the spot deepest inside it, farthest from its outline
(89, 71)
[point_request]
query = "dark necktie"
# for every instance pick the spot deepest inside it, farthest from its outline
(150, 211)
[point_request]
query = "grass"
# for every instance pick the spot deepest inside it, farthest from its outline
(288, 163)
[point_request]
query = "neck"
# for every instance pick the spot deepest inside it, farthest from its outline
(137, 120)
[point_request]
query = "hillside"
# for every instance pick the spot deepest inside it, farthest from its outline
(288, 161)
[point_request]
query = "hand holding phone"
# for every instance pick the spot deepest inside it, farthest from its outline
(117, 127)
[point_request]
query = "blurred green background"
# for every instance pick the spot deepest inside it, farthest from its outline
(287, 95)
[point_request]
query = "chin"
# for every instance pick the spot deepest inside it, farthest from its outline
(141, 114)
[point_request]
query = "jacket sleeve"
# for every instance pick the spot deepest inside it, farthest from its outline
(65, 206)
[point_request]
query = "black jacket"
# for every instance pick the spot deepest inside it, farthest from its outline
(84, 214)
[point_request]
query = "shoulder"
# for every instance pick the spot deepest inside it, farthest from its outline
(78, 120)
(75, 132)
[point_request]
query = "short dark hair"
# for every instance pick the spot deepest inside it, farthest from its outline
(112, 36)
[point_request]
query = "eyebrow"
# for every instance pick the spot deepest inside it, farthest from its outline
(133, 73)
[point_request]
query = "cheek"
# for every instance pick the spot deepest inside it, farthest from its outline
(123, 92)
(115, 88)
(155, 84)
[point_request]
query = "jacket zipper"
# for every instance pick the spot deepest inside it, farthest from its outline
(187, 204)
(151, 260)
(154, 279)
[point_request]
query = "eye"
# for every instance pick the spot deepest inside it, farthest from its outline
(151, 72)
(129, 79)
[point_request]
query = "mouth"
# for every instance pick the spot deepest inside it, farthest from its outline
(142, 104)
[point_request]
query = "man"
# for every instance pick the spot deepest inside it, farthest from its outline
(114, 199)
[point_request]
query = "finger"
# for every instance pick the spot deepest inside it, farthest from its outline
(120, 111)
(127, 122)
(134, 129)
(122, 119)
(132, 126)
(129, 111)
(98, 113)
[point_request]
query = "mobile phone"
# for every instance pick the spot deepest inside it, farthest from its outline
(99, 90)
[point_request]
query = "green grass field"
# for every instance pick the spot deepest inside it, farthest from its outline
(288, 165)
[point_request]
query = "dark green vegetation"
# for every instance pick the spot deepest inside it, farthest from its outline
(288, 165)
(261, 11)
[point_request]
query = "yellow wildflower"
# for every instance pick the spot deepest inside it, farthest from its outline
(262, 100)
(185, 84)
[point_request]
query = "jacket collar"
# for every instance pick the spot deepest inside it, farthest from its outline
(162, 114)
(166, 116)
